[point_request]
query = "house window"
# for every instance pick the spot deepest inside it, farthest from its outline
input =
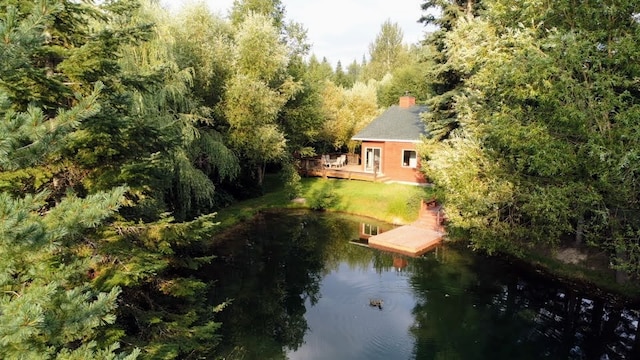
(368, 229)
(409, 158)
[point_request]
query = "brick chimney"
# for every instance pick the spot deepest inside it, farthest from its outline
(407, 101)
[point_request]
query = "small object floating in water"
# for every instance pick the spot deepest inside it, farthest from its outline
(376, 302)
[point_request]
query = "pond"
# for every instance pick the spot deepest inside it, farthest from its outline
(301, 286)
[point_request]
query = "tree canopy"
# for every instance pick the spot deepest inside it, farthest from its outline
(125, 128)
(536, 125)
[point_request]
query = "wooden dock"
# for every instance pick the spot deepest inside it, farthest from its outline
(414, 239)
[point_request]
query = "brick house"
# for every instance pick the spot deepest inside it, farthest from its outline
(389, 143)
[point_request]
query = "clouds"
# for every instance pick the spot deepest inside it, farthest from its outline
(341, 30)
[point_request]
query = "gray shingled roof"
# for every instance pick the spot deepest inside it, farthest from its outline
(395, 124)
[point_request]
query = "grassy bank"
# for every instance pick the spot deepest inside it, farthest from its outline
(399, 204)
(394, 203)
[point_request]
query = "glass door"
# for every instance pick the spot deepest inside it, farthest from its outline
(372, 159)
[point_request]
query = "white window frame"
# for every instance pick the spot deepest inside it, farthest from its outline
(373, 169)
(409, 165)
(370, 230)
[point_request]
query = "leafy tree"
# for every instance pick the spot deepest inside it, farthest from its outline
(272, 9)
(202, 42)
(546, 109)
(301, 117)
(412, 78)
(199, 157)
(256, 94)
(386, 52)
(319, 71)
(347, 111)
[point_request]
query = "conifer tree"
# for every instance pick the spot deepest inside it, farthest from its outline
(61, 162)
(446, 82)
(340, 78)
(48, 308)
(353, 72)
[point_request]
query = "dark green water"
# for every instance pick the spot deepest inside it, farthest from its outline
(301, 289)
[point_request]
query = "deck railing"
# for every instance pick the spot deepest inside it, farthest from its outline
(352, 170)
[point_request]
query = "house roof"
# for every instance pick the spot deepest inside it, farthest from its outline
(395, 124)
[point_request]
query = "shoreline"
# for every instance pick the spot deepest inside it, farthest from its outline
(574, 275)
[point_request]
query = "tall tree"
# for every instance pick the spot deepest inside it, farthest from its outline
(48, 307)
(554, 159)
(70, 159)
(257, 92)
(445, 81)
(347, 111)
(354, 71)
(340, 78)
(301, 118)
(412, 78)
(320, 70)
(272, 9)
(386, 52)
(188, 87)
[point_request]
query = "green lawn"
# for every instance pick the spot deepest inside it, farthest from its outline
(394, 203)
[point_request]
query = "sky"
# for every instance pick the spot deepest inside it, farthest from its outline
(341, 30)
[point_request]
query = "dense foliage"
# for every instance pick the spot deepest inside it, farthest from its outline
(118, 133)
(536, 127)
(124, 128)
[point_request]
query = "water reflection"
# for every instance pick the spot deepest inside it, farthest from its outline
(301, 289)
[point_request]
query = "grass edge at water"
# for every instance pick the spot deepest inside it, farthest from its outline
(399, 204)
(392, 203)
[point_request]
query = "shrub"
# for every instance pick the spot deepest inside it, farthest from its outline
(323, 198)
(291, 179)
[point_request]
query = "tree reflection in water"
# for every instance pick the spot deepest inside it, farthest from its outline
(473, 307)
(461, 305)
(268, 270)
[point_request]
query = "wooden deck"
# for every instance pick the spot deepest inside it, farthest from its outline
(414, 239)
(313, 167)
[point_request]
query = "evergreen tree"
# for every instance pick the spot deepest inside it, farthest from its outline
(130, 128)
(340, 78)
(354, 71)
(48, 308)
(446, 81)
